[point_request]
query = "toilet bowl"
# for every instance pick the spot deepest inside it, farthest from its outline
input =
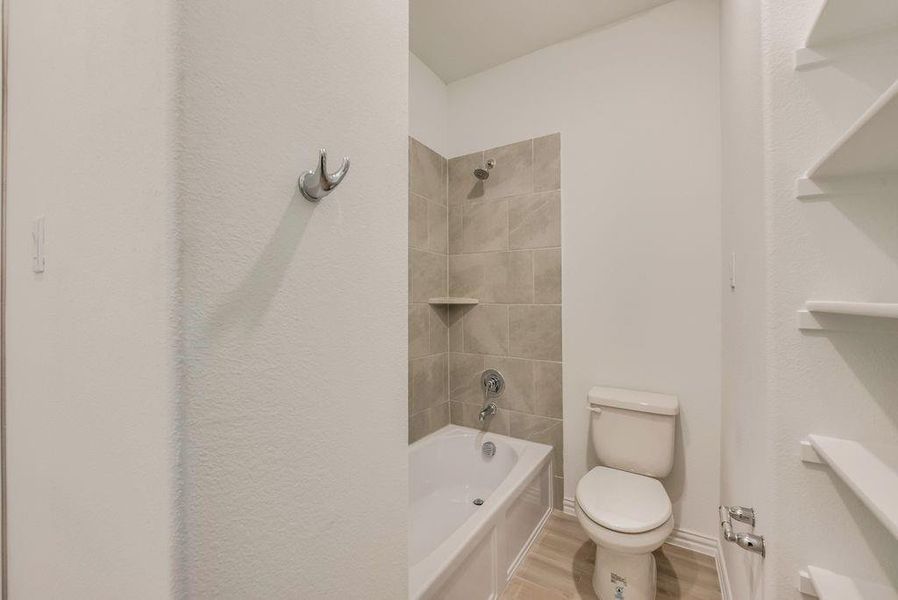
(621, 503)
(628, 518)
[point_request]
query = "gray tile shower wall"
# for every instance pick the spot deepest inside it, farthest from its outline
(504, 246)
(428, 331)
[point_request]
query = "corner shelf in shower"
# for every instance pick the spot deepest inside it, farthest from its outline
(451, 301)
(827, 585)
(871, 473)
(840, 315)
(843, 21)
(864, 160)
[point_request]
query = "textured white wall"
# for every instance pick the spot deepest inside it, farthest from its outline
(744, 470)
(90, 354)
(638, 108)
(295, 349)
(428, 106)
(841, 384)
(259, 451)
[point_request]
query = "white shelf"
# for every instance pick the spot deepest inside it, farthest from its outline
(827, 585)
(871, 474)
(881, 310)
(836, 315)
(864, 159)
(841, 21)
(453, 301)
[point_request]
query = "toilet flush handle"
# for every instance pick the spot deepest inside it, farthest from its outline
(594, 408)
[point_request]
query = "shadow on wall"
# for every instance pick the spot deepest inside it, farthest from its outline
(877, 216)
(477, 191)
(873, 358)
(879, 540)
(874, 214)
(674, 482)
(853, 61)
(248, 302)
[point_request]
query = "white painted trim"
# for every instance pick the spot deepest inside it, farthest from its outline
(709, 546)
(878, 184)
(696, 542)
(822, 583)
(509, 573)
(569, 507)
(805, 585)
(726, 592)
(806, 58)
(809, 455)
(809, 320)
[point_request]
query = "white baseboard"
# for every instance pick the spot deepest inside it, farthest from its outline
(697, 542)
(708, 546)
(690, 540)
(568, 508)
(726, 592)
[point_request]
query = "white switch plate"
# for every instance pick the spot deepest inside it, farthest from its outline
(37, 245)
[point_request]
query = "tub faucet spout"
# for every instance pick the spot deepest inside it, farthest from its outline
(488, 411)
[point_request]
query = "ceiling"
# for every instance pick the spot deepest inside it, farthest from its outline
(457, 38)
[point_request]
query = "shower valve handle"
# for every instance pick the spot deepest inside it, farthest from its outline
(492, 383)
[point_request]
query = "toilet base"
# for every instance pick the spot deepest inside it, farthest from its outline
(620, 576)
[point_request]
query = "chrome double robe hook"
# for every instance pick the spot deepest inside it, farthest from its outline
(318, 183)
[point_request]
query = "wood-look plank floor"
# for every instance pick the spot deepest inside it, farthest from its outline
(559, 566)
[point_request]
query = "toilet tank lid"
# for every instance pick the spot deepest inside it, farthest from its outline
(650, 402)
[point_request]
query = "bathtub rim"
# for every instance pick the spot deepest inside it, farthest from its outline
(432, 571)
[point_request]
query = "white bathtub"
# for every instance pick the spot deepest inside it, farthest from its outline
(460, 550)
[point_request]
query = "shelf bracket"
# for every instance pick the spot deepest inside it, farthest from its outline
(873, 184)
(806, 584)
(808, 454)
(807, 321)
(821, 583)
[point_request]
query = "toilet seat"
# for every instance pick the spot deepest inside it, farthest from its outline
(623, 502)
(625, 543)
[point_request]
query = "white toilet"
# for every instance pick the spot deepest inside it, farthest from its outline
(621, 504)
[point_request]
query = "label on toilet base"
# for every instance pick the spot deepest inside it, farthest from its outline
(620, 584)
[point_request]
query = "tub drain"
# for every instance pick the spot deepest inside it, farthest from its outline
(478, 501)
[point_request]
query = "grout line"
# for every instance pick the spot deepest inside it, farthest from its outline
(426, 251)
(517, 304)
(507, 225)
(510, 250)
(508, 330)
(464, 315)
(431, 355)
(424, 410)
(533, 276)
(429, 327)
(505, 356)
(473, 252)
(532, 166)
(423, 197)
(506, 196)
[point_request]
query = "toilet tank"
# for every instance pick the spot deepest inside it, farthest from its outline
(633, 430)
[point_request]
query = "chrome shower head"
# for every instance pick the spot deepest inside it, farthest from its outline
(483, 173)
